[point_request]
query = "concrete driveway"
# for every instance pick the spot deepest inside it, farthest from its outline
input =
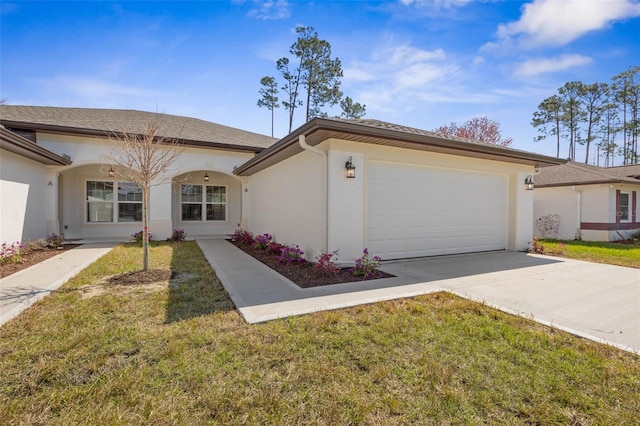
(596, 301)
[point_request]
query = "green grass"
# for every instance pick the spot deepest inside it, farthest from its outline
(595, 251)
(182, 355)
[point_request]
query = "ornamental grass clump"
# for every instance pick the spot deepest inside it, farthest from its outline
(324, 263)
(11, 253)
(367, 266)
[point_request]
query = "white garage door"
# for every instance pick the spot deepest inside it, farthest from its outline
(418, 211)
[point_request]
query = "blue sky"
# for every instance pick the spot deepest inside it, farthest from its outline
(412, 62)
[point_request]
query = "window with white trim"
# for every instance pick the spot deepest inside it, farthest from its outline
(203, 202)
(624, 207)
(102, 207)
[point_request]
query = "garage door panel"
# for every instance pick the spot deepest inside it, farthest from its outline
(421, 211)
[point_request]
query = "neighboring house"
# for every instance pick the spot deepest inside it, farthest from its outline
(71, 191)
(594, 203)
(415, 193)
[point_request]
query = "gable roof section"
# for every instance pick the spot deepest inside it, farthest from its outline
(573, 173)
(388, 134)
(15, 143)
(102, 122)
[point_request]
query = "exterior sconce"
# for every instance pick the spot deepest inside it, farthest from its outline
(528, 183)
(206, 176)
(350, 169)
(111, 172)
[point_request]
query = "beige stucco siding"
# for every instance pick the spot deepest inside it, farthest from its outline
(25, 197)
(286, 200)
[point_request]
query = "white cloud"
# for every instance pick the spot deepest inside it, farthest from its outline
(558, 22)
(270, 9)
(533, 67)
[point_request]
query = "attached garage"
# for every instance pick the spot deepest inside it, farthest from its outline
(416, 211)
(415, 193)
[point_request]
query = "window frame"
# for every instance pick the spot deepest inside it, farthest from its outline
(115, 202)
(628, 207)
(204, 203)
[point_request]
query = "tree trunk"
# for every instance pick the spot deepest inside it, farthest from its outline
(145, 229)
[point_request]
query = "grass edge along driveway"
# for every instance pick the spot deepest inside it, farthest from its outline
(594, 251)
(178, 353)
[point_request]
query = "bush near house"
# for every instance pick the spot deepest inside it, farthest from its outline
(289, 261)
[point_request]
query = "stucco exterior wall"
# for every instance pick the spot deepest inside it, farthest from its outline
(286, 200)
(91, 161)
(519, 204)
(580, 205)
(25, 196)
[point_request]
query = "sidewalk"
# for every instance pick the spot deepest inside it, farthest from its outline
(20, 290)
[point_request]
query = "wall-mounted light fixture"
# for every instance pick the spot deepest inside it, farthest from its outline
(111, 172)
(350, 169)
(528, 183)
(206, 176)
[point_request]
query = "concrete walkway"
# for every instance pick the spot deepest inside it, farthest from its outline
(20, 290)
(595, 301)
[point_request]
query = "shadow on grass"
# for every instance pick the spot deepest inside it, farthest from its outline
(194, 289)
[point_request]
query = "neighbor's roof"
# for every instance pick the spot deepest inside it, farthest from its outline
(15, 143)
(625, 171)
(102, 122)
(573, 173)
(383, 133)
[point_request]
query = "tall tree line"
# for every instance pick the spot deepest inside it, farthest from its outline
(602, 117)
(310, 80)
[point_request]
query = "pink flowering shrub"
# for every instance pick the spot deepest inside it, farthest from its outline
(325, 264)
(290, 254)
(242, 237)
(261, 242)
(11, 253)
(367, 266)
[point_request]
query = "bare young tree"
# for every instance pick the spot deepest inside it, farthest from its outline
(142, 157)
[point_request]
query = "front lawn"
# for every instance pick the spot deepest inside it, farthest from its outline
(595, 251)
(179, 353)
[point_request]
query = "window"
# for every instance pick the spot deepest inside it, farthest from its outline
(103, 208)
(624, 207)
(214, 202)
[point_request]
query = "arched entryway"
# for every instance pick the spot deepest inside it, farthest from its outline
(206, 203)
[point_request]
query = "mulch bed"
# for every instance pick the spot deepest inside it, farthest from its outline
(141, 277)
(32, 258)
(304, 274)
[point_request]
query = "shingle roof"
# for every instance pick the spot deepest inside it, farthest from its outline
(382, 133)
(99, 122)
(625, 171)
(573, 173)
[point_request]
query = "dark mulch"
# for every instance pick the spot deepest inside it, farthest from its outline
(304, 274)
(32, 258)
(141, 277)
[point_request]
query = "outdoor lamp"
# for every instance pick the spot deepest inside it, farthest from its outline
(206, 176)
(350, 168)
(528, 183)
(111, 172)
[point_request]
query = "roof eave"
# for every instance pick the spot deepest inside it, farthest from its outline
(75, 131)
(16, 144)
(410, 140)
